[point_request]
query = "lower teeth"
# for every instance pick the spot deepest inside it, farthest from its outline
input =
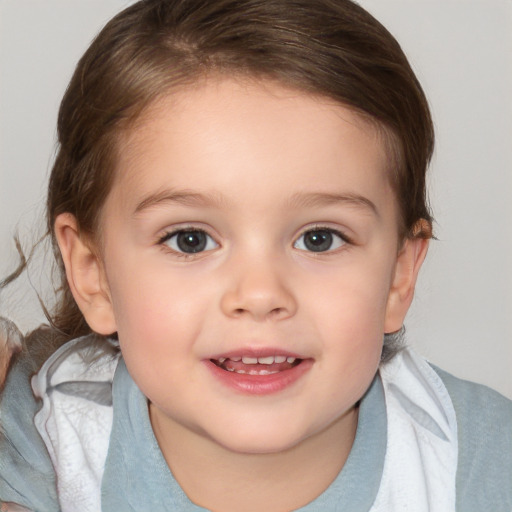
(252, 372)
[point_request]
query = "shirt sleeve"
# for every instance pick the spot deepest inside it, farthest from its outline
(26, 473)
(484, 424)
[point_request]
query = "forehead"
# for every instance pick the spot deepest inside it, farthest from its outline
(221, 130)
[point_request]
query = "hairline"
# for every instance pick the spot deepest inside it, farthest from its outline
(122, 134)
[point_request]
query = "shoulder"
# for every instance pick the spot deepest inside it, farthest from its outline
(26, 471)
(75, 420)
(53, 421)
(484, 424)
(82, 368)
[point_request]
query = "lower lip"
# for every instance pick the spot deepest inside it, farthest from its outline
(260, 384)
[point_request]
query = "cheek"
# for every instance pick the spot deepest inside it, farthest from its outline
(350, 314)
(355, 296)
(152, 307)
(157, 330)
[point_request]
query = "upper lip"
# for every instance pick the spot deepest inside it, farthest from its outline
(262, 352)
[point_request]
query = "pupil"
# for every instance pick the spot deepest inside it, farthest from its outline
(191, 241)
(318, 241)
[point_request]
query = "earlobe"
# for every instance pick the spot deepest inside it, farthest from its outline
(408, 264)
(85, 276)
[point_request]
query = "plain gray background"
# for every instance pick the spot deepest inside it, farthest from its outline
(461, 51)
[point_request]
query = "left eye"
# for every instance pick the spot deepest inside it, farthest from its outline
(320, 240)
(189, 241)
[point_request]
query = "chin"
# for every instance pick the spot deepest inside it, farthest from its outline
(263, 447)
(262, 441)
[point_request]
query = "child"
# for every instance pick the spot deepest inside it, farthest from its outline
(238, 209)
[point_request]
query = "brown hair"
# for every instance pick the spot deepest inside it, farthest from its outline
(332, 48)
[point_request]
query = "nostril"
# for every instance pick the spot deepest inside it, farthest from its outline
(261, 304)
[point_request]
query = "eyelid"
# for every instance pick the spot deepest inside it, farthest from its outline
(320, 226)
(168, 231)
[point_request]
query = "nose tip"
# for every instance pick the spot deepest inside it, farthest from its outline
(260, 295)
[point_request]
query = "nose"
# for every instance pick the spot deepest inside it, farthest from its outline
(258, 290)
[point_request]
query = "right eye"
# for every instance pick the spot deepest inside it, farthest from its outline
(189, 241)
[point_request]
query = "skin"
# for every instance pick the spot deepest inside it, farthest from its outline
(256, 166)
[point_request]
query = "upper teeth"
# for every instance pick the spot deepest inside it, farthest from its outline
(260, 360)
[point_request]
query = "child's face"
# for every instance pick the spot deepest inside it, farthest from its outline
(251, 221)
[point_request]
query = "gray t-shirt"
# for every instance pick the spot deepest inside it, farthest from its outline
(137, 478)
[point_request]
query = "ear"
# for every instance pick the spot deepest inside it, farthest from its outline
(408, 264)
(85, 275)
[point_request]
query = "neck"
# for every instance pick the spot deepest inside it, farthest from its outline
(221, 480)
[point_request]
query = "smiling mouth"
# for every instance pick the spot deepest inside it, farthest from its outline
(250, 365)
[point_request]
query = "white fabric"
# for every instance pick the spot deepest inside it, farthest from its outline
(421, 457)
(422, 450)
(75, 430)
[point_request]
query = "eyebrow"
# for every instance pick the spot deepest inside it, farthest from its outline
(313, 199)
(317, 199)
(183, 197)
